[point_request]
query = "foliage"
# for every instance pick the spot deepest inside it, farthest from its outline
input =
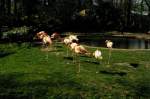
(61, 15)
(15, 33)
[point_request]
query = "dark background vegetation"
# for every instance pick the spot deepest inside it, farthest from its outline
(63, 15)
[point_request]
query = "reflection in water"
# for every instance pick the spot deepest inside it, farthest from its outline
(119, 42)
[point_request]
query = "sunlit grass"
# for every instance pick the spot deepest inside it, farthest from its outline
(27, 72)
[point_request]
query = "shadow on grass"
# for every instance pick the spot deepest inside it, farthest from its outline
(58, 46)
(114, 73)
(56, 50)
(55, 84)
(50, 50)
(5, 53)
(135, 65)
(92, 62)
(85, 56)
(139, 85)
(68, 57)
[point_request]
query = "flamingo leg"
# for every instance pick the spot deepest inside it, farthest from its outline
(97, 60)
(67, 51)
(74, 57)
(79, 65)
(55, 45)
(109, 55)
(46, 55)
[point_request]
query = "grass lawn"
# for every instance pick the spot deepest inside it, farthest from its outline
(26, 72)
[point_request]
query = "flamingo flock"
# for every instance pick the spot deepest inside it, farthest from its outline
(72, 44)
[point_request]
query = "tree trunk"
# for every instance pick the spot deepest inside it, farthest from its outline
(8, 7)
(2, 6)
(129, 12)
(15, 7)
(148, 5)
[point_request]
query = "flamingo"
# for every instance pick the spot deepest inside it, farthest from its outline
(109, 45)
(78, 49)
(73, 45)
(56, 36)
(97, 55)
(41, 33)
(46, 39)
(73, 38)
(67, 41)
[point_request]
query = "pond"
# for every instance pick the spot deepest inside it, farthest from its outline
(119, 42)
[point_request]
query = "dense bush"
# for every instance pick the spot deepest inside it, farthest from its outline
(16, 34)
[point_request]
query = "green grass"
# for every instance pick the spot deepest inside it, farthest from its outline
(26, 72)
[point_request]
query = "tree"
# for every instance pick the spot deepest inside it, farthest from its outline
(148, 4)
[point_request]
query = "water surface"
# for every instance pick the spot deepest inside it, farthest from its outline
(119, 42)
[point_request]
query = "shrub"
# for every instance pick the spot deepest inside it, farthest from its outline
(16, 34)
